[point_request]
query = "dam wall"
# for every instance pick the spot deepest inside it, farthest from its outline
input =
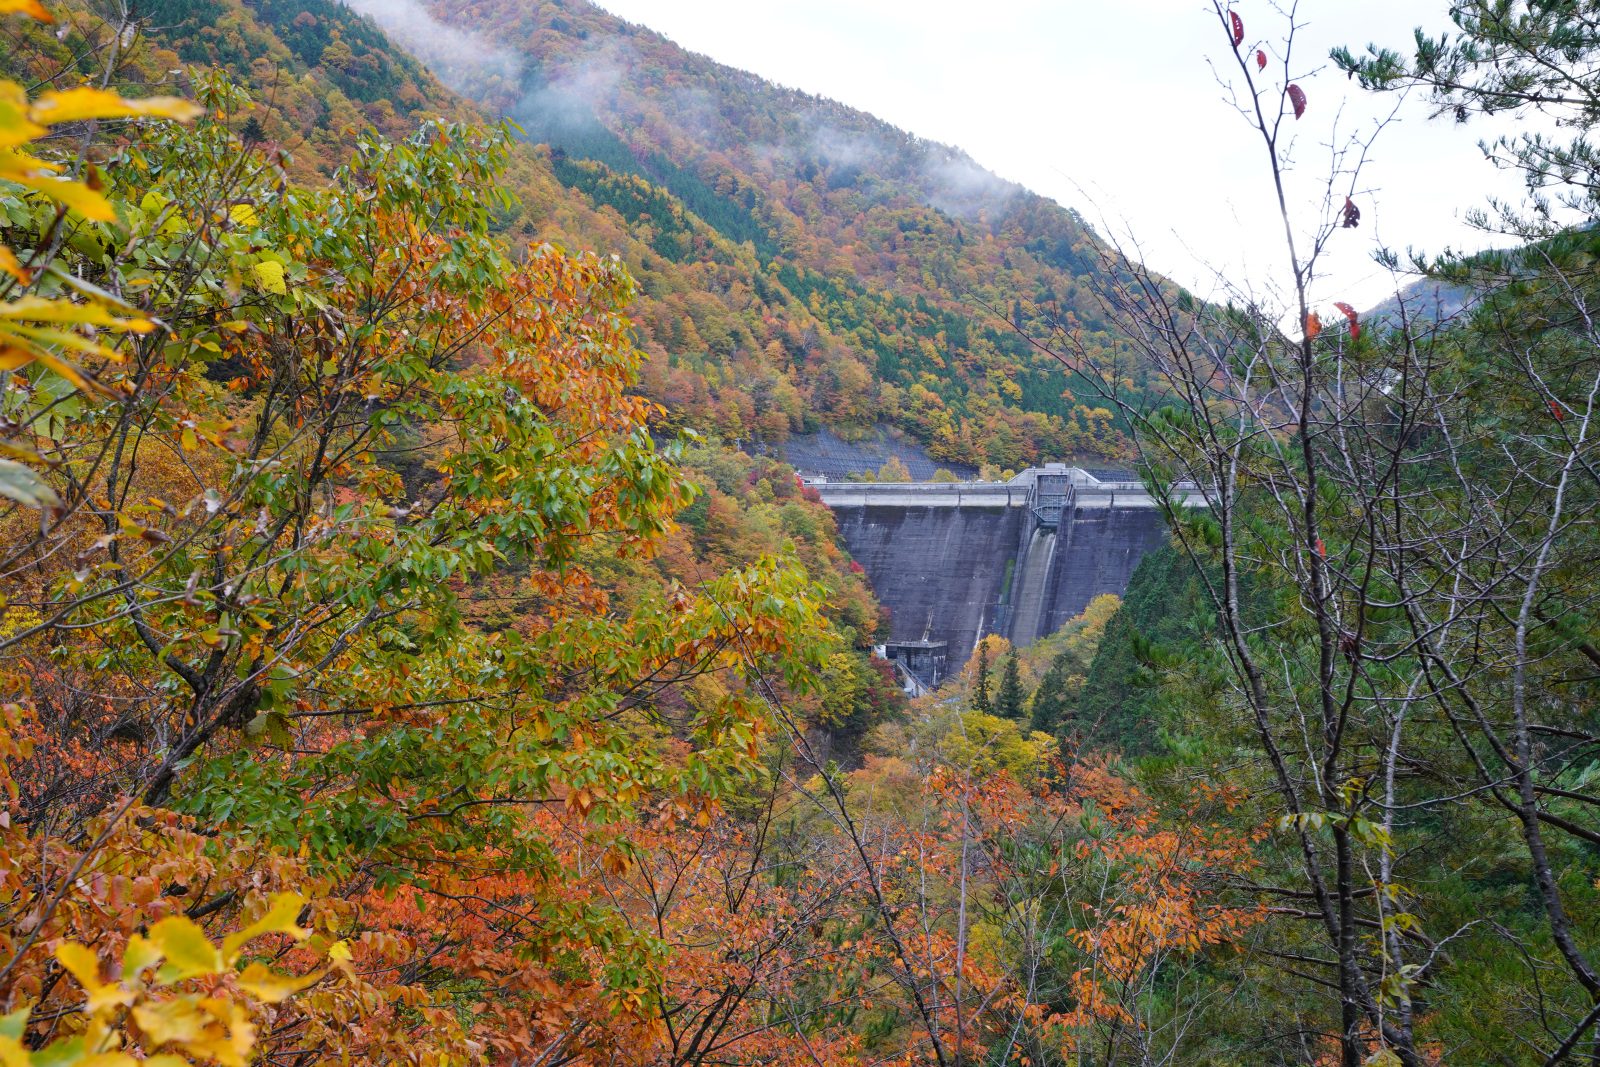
(939, 570)
(955, 561)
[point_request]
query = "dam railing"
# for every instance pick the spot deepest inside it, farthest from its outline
(923, 494)
(1045, 490)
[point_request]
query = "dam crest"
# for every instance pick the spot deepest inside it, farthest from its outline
(954, 561)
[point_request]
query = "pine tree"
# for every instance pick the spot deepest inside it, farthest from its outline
(1008, 702)
(980, 694)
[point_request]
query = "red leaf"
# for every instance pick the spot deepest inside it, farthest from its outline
(1352, 214)
(1298, 99)
(1555, 409)
(1350, 313)
(1261, 60)
(1238, 28)
(1313, 325)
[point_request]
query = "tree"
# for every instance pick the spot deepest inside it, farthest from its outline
(1010, 699)
(1392, 525)
(980, 685)
(1511, 56)
(894, 470)
(277, 679)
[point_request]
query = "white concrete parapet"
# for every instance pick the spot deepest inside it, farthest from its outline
(923, 494)
(1088, 491)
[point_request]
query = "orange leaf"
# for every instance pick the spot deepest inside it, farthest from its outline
(26, 7)
(10, 265)
(1349, 313)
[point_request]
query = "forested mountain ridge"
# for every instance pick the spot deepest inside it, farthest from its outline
(800, 263)
(912, 264)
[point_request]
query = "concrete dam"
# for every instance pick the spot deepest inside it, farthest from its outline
(956, 561)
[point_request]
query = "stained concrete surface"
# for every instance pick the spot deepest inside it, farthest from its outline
(938, 569)
(943, 570)
(1096, 553)
(1030, 588)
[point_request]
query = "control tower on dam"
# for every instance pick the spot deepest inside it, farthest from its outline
(956, 560)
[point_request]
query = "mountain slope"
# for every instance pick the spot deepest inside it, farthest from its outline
(800, 263)
(318, 71)
(874, 274)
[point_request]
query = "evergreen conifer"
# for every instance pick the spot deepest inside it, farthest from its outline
(980, 692)
(1009, 700)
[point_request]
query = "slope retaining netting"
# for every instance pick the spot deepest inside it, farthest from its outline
(826, 453)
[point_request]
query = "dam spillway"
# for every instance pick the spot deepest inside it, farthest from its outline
(955, 561)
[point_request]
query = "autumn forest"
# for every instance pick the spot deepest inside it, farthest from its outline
(420, 645)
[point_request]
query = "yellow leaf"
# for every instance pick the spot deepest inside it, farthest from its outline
(82, 379)
(269, 276)
(154, 204)
(38, 309)
(16, 127)
(186, 948)
(26, 7)
(46, 336)
(262, 983)
(140, 955)
(73, 105)
(18, 166)
(243, 215)
(170, 1020)
(85, 967)
(230, 1051)
(74, 195)
(13, 1054)
(279, 919)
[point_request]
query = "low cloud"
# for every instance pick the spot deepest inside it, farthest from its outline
(571, 99)
(956, 184)
(466, 62)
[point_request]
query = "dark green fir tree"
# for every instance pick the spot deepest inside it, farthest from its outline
(980, 691)
(1009, 700)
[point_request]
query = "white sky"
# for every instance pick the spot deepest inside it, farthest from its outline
(1110, 107)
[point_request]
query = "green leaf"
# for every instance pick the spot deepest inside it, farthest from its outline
(25, 486)
(59, 1053)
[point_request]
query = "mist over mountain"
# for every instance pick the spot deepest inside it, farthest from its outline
(559, 69)
(892, 272)
(800, 263)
